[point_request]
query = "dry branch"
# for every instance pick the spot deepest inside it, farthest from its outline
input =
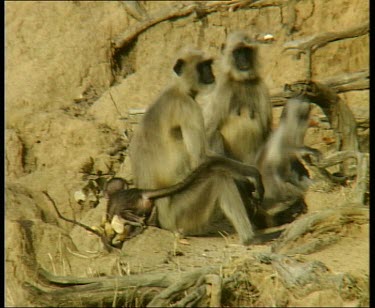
(193, 279)
(362, 172)
(201, 8)
(362, 184)
(344, 125)
(71, 291)
(359, 80)
(301, 277)
(172, 12)
(317, 230)
(295, 273)
(216, 287)
(336, 159)
(338, 113)
(321, 39)
(265, 3)
(297, 277)
(105, 241)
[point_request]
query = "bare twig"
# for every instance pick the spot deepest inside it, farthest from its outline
(103, 238)
(114, 103)
(340, 83)
(172, 12)
(201, 8)
(309, 44)
(321, 39)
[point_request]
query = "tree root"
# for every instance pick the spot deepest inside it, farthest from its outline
(244, 281)
(338, 113)
(317, 230)
(178, 289)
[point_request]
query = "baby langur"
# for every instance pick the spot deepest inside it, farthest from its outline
(284, 176)
(239, 115)
(136, 204)
(128, 220)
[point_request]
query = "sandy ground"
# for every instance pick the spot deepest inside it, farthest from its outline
(160, 249)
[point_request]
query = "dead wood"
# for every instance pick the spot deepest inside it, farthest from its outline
(135, 9)
(216, 289)
(309, 44)
(171, 12)
(172, 288)
(339, 83)
(335, 159)
(200, 8)
(105, 241)
(301, 277)
(265, 3)
(342, 122)
(339, 115)
(359, 80)
(362, 172)
(321, 39)
(291, 16)
(362, 183)
(293, 272)
(202, 287)
(194, 279)
(318, 230)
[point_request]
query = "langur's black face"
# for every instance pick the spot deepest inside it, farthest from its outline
(196, 73)
(204, 70)
(205, 75)
(244, 58)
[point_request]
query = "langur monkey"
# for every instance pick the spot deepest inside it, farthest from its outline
(238, 116)
(284, 176)
(113, 185)
(170, 143)
(135, 205)
(170, 140)
(238, 121)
